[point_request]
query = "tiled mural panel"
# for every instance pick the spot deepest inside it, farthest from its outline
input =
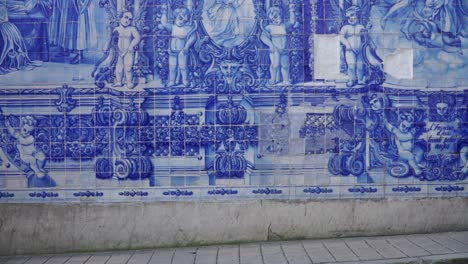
(146, 100)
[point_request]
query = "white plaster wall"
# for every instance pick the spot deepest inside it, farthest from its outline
(49, 228)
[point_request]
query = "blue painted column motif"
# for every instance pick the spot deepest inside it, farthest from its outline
(350, 160)
(128, 155)
(230, 136)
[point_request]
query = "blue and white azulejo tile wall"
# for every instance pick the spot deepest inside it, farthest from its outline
(147, 100)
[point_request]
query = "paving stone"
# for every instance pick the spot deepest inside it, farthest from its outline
(58, 259)
(273, 254)
(408, 248)
(250, 254)
(184, 256)
(362, 249)
(340, 251)
(120, 257)
(206, 255)
(385, 249)
(228, 255)
(460, 236)
(295, 253)
(378, 250)
(448, 242)
(162, 256)
(317, 252)
(4, 259)
(99, 258)
(38, 259)
(141, 257)
(78, 259)
(428, 244)
(386, 261)
(18, 260)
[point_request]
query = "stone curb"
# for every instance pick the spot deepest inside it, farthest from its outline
(456, 258)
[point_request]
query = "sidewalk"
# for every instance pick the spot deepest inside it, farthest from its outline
(428, 248)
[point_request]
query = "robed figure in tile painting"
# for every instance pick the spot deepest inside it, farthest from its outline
(73, 27)
(13, 51)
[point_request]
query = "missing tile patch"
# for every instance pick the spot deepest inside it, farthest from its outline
(400, 64)
(327, 56)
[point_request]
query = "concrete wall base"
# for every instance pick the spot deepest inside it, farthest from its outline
(56, 228)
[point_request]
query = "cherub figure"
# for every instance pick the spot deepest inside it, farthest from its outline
(275, 36)
(182, 38)
(404, 139)
(351, 39)
(25, 144)
(128, 39)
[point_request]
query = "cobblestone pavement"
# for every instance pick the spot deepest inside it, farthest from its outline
(427, 248)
